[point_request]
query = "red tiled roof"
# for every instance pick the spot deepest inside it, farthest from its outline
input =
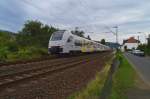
(131, 40)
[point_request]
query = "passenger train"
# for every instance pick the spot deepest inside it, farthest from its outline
(63, 41)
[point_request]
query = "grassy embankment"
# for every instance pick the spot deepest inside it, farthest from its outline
(11, 51)
(123, 79)
(29, 43)
(94, 88)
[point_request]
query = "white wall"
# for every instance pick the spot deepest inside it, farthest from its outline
(130, 46)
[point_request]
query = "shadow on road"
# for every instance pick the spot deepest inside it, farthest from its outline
(138, 93)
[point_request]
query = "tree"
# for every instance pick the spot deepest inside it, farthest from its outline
(148, 39)
(7, 45)
(103, 41)
(125, 48)
(34, 33)
(78, 32)
(142, 47)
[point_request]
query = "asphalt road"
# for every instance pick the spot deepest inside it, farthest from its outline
(141, 64)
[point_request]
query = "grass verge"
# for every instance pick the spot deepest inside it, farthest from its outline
(123, 79)
(94, 88)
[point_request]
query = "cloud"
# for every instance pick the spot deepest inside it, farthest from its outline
(92, 16)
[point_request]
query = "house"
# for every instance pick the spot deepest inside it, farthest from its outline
(130, 44)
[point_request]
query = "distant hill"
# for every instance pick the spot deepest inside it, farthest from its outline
(8, 32)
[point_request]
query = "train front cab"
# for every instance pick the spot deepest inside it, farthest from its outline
(56, 43)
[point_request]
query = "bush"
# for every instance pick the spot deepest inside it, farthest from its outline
(27, 53)
(144, 48)
(3, 53)
(12, 47)
(22, 54)
(38, 50)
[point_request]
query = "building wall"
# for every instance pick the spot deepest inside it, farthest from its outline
(130, 46)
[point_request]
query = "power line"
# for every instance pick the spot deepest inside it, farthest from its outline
(115, 33)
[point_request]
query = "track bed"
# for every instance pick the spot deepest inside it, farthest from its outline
(50, 79)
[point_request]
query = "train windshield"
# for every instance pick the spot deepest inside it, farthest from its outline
(57, 35)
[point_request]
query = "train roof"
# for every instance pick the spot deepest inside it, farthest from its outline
(86, 39)
(83, 38)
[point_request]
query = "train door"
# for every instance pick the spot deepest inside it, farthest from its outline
(69, 45)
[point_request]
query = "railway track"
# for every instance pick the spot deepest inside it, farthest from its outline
(11, 69)
(40, 60)
(39, 68)
(20, 76)
(30, 66)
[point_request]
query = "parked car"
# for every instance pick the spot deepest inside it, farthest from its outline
(138, 53)
(129, 51)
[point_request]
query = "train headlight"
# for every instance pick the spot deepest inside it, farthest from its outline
(62, 46)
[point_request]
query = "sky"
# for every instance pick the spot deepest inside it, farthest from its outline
(96, 17)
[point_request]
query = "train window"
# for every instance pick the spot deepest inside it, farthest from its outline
(57, 36)
(78, 43)
(70, 39)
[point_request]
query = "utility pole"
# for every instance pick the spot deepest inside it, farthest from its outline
(116, 27)
(144, 35)
(148, 40)
(138, 40)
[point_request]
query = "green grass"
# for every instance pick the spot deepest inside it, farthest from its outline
(27, 54)
(123, 79)
(23, 54)
(93, 89)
